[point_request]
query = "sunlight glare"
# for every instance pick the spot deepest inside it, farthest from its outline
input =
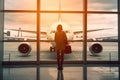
(64, 25)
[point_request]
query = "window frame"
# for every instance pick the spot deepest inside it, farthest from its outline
(84, 12)
(84, 62)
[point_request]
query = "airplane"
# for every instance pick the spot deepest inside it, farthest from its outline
(25, 48)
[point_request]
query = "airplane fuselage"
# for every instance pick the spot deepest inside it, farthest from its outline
(52, 30)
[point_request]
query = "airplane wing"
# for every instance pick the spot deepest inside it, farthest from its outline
(10, 38)
(45, 33)
(78, 32)
(110, 38)
(28, 31)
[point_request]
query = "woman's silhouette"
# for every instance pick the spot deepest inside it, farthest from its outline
(61, 40)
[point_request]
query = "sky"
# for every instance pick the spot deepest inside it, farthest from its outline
(75, 21)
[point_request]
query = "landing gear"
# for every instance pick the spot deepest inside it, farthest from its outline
(52, 49)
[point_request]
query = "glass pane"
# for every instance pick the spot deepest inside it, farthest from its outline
(19, 51)
(72, 25)
(109, 51)
(103, 73)
(49, 5)
(24, 73)
(72, 5)
(1, 34)
(20, 26)
(102, 5)
(62, 5)
(20, 4)
(104, 26)
(74, 73)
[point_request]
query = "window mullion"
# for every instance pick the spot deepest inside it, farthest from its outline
(119, 36)
(38, 30)
(85, 40)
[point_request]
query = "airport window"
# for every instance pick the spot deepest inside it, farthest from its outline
(64, 5)
(92, 26)
(14, 23)
(108, 26)
(49, 24)
(23, 71)
(20, 5)
(103, 73)
(98, 5)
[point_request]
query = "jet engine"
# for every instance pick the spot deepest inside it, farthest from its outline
(24, 48)
(96, 48)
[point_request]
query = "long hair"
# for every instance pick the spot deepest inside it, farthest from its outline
(59, 27)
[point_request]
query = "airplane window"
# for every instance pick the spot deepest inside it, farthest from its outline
(20, 4)
(99, 5)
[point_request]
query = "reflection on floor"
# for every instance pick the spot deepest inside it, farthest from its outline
(51, 73)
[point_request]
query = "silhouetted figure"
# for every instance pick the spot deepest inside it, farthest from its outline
(61, 40)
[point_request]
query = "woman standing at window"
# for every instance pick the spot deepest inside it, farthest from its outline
(61, 40)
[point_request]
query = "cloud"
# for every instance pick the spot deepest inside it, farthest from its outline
(109, 5)
(20, 5)
(104, 1)
(65, 4)
(72, 5)
(20, 18)
(95, 21)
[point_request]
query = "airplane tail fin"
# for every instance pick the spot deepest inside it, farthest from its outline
(7, 33)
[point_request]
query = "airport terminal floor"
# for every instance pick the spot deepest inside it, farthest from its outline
(51, 73)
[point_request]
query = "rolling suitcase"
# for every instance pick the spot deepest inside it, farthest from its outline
(67, 49)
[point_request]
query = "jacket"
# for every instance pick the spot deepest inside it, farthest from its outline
(60, 39)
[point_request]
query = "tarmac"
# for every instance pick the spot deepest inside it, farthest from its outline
(110, 52)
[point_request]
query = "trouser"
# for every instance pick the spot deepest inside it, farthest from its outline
(60, 59)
